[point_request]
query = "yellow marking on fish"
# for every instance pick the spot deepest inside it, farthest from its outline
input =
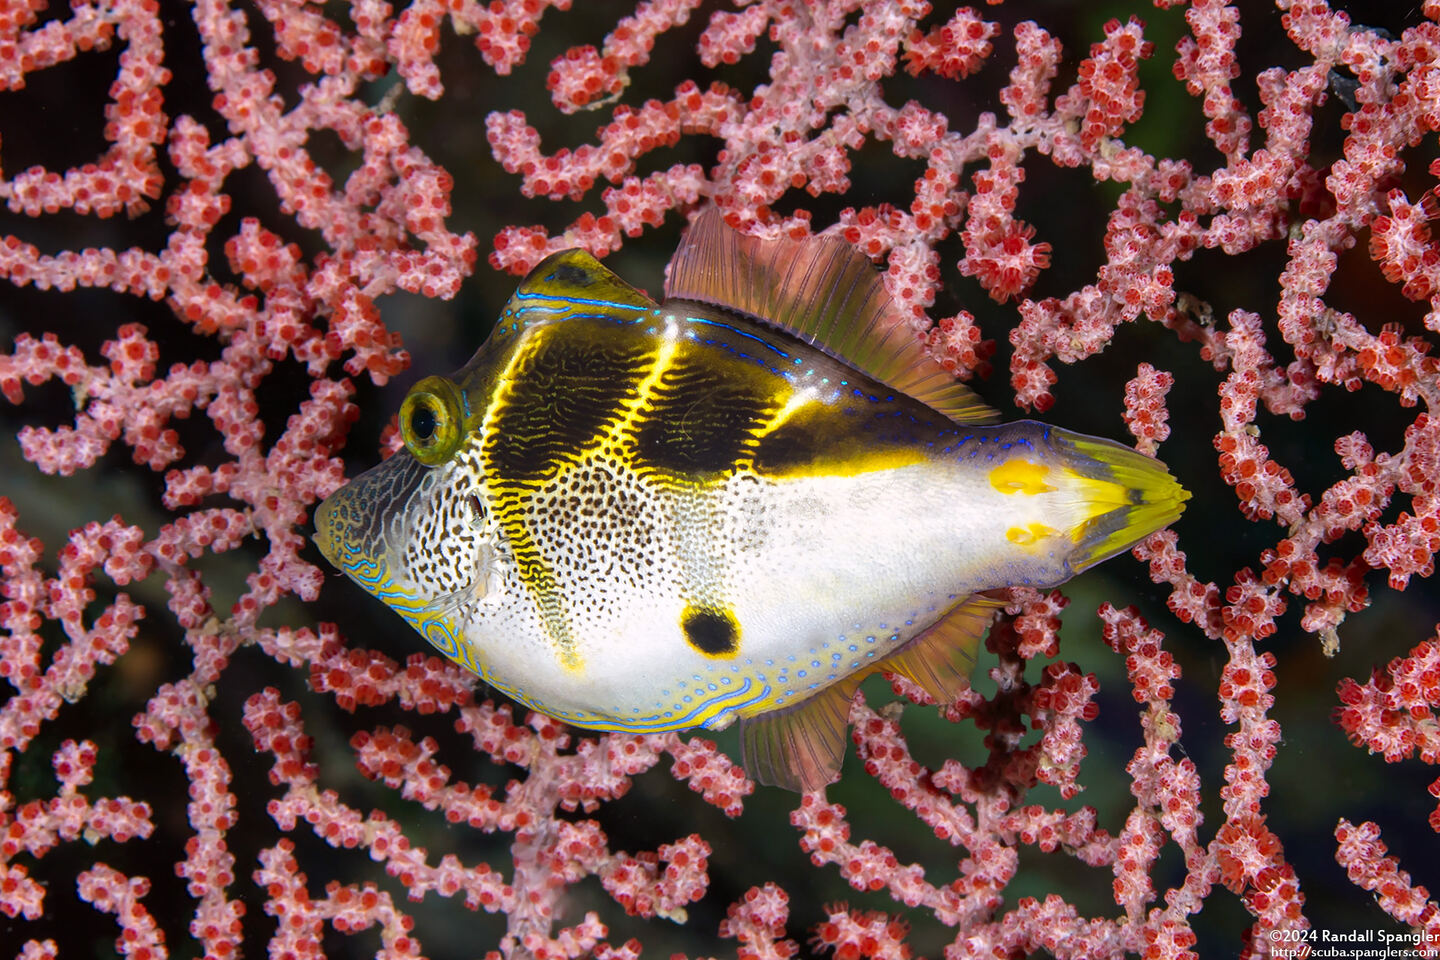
(1030, 535)
(797, 400)
(837, 453)
(1021, 476)
(509, 508)
(794, 403)
(1148, 495)
(852, 465)
(634, 409)
(1099, 497)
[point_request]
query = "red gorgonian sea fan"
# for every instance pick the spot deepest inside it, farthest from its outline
(228, 227)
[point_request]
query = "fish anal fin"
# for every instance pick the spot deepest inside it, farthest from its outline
(799, 747)
(824, 292)
(941, 658)
(577, 274)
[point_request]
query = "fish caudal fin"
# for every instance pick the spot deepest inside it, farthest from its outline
(1127, 497)
(801, 747)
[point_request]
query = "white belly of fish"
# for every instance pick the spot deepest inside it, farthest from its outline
(821, 575)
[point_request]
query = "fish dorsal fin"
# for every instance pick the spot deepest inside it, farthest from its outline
(940, 659)
(800, 747)
(573, 281)
(825, 292)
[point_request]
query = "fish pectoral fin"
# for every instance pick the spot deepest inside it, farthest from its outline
(799, 747)
(941, 658)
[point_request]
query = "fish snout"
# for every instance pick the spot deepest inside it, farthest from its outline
(326, 525)
(340, 528)
(361, 527)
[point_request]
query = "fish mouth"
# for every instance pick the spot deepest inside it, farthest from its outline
(338, 535)
(324, 535)
(356, 526)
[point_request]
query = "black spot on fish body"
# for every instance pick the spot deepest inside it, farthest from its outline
(712, 632)
(793, 445)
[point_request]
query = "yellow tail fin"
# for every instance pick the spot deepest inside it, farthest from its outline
(1128, 494)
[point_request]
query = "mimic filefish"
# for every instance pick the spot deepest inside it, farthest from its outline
(732, 505)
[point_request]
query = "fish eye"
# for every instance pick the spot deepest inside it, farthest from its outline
(422, 422)
(432, 420)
